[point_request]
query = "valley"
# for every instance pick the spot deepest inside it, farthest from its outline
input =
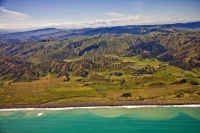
(138, 80)
(59, 67)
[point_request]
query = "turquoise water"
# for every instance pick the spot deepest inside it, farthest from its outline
(103, 120)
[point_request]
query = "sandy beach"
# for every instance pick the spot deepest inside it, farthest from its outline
(100, 103)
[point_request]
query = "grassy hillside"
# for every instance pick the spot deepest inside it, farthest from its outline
(141, 79)
(179, 49)
(150, 66)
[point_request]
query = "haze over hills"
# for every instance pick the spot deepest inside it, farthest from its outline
(122, 57)
(131, 29)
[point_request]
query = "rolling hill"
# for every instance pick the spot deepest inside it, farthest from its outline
(109, 62)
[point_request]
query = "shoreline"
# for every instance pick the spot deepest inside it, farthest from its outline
(94, 104)
(96, 107)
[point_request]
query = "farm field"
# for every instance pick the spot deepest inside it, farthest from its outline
(163, 83)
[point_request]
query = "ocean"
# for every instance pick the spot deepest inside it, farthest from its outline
(124, 119)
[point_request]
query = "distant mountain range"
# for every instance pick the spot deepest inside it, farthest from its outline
(177, 44)
(130, 29)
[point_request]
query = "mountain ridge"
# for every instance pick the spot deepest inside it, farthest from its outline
(129, 29)
(181, 50)
(146, 68)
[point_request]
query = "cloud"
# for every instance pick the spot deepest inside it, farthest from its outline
(114, 14)
(21, 21)
(8, 15)
(121, 19)
(124, 19)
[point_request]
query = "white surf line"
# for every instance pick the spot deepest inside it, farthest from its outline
(154, 106)
(96, 107)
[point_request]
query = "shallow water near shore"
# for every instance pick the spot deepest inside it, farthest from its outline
(101, 120)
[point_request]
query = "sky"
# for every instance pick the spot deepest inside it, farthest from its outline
(68, 14)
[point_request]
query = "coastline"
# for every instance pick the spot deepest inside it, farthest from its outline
(96, 107)
(98, 104)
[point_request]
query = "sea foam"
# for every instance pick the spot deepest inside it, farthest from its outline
(39, 114)
(95, 107)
